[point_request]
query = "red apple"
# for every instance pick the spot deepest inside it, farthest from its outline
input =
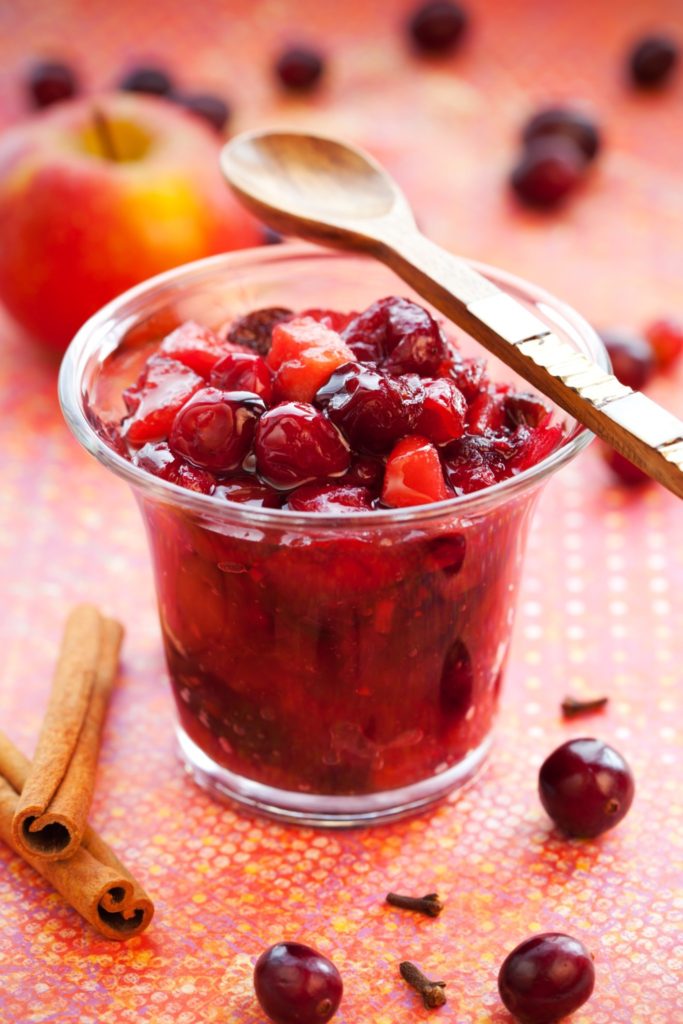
(98, 194)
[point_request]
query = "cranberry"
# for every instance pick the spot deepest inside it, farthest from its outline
(586, 787)
(195, 346)
(215, 429)
(372, 408)
(158, 459)
(457, 677)
(569, 123)
(245, 490)
(624, 470)
(548, 171)
(299, 69)
(666, 340)
(331, 318)
(443, 413)
(295, 443)
(243, 371)
(212, 109)
(633, 361)
(469, 375)
(533, 444)
(154, 81)
(366, 333)
(365, 471)
(51, 82)
(471, 463)
(297, 985)
(652, 61)
(255, 330)
(437, 26)
(523, 408)
(414, 340)
(486, 414)
(545, 978)
(330, 499)
(161, 390)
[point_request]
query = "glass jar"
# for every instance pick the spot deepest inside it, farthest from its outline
(330, 670)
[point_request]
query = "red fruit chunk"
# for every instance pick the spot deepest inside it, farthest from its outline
(247, 491)
(586, 787)
(372, 408)
(624, 470)
(243, 371)
(161, 391)
(486, 414)
(666, 340)
(524, 409)
(546, 978)
(633, 362)
(294, 984)
(469, 375)
(330, 318)
(413, 474)
(443, 412)
(548, 171)
(330, 498)
(158, 459)
(195, 346)
(471, 463)
(535, 444)
(215, 429)
(304, 354)
(255, 330)
(295, 443)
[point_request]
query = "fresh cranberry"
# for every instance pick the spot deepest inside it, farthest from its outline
(51, 82)
(548, 171)
(245, 490)
(652, 61)
(625, 471)
(210, 108)
(162, 389)
(330, 499)
(154, 81)
(468, 375)
(372, 408)
(195, 346)
(632, 358)
(442, 418)
(297, 985)
(471, 463)
(457, 678)
(215, 429)
(243, 371)
(586, 787)
(158, 459)
(437, 26)
(299, 69)
(666, 340)
(413, 474)
(295, 443)
(545, 978)
(255, 330)
(567, 122)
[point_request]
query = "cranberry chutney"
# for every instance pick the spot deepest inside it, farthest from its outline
(337, 501)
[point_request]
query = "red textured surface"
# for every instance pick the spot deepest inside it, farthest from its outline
(597, 612)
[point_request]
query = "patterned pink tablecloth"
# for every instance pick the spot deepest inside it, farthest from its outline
(598, 609)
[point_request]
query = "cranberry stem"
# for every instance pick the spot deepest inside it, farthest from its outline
(430, 904)
(104, 135)
(432, 992)
(573, 708)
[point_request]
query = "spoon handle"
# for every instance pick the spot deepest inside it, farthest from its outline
(639, 428)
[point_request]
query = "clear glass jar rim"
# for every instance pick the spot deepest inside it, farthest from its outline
(95, 331)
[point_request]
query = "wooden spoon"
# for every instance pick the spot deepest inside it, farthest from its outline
(328, 192)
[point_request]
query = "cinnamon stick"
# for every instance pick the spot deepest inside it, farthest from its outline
(93, 880)
(52, 810)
